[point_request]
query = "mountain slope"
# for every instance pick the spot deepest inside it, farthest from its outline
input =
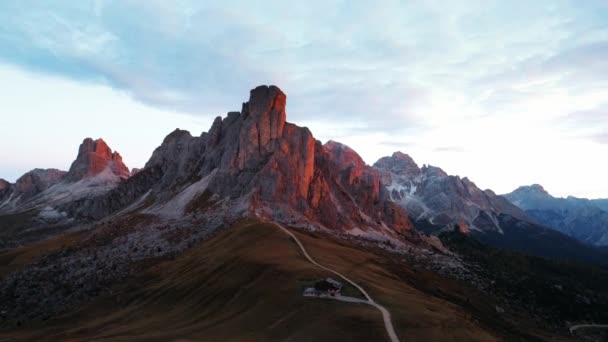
(580, 218)
(439, 202)
(257, 164)
(228, 288)
(430, 194)
(95, 170)
(34, 207)
(566, 291)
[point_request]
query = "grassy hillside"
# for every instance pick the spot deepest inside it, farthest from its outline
(25, 227)
(16, 258)
(245, 284)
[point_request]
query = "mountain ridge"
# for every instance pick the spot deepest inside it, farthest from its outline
(254, 163)
(581, 218)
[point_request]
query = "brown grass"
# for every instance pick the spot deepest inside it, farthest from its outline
(245, 285)
(14, 259)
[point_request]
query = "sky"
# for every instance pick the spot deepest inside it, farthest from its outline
(507, 93)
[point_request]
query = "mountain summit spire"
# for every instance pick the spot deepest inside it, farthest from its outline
(94, 156)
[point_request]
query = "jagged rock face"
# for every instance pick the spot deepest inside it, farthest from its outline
(177, 158)
(347, 161)
(533, 197)
(264, 117)
(94, 157)
(4, 184)
(6, 189)
(430, 194)
(95, 171)
(284, 167)
(580, 218)
(277, 168)
(400, 164)
(36, 181)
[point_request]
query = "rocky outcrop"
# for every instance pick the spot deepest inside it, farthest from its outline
(36, 181)
(286, 170)
(430, 194)
(95, 171)
(580, 218)
(28, 187)
(4, 184)
(269, 166)
(399, 164)
(6, 189)
(95, 157)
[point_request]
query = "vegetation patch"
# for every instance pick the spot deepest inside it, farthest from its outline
(559, 290)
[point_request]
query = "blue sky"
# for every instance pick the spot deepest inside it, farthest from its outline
(504, 92)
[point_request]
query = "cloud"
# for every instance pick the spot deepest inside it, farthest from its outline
(601, 138)
(400, 72)
(449, 149)
(381, 65)
(398, 144)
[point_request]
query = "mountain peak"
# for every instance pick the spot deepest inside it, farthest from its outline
(534, 189)
(344, 155)
(38, 180)
(538, 188)
(402, 156)
(268, 167)
(95, 156)
(177, 134)
(4, 184)
(399, 163)
(266, 107)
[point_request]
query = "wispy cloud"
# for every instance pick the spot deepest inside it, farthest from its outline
(397, 71)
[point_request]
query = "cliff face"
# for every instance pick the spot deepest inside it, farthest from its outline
(430, 194)
(95, 171)
(94, 157)
(271, 167)
(37, 181)
(286, 172)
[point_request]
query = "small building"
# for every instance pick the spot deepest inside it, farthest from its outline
(324, 287)
(335, 283)
(329, 286)
(311, 292)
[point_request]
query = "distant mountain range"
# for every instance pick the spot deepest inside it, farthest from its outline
(438, 202)
(581, 218)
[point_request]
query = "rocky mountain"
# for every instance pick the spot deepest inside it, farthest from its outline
(28, 186)
(583, 219)
(257, 164)
(430, 194)
(95, 170)
(439, 202)
(600, 203)
(5, 189)
(95, 157)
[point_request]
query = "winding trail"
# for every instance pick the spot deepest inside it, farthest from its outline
(582, 326)
(386, 316)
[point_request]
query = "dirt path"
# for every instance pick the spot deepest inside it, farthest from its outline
(582, 326)
(386, 316)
